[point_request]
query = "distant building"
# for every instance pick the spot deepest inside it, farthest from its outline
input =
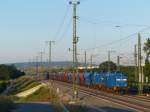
(88, 67)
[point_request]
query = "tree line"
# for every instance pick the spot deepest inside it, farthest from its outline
(9, 72)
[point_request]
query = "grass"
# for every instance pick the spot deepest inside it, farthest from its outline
(6, 104)
(30, 85)
(22, 84)
(42, 95)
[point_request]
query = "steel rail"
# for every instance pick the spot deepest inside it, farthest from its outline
(123, 101)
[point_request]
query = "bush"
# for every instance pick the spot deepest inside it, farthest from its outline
(6, 104)
(3, 86)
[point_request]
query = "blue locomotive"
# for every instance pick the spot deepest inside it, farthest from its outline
(110, 82)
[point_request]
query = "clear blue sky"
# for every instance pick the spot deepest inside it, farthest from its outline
(25, 25)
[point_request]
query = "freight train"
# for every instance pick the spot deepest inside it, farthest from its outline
(115, 82)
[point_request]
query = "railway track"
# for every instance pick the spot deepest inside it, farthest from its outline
(131, 102)
(144, 98)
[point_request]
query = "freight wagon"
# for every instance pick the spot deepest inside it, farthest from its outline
(110, 82)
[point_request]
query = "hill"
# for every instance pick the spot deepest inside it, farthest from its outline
(61, 64)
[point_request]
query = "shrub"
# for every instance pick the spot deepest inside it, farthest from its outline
(6, 104)
(3, 86)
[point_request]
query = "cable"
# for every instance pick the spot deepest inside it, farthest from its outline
(65, 32)
(111, 23)
(122, 39)
(62, 23)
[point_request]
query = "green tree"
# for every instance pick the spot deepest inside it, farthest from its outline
(130, 72)
(147, 62)
(9, 72)
(147, 48)
(104, 66)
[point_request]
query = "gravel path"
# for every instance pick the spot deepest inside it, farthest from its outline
(34, 107)
(29, 91)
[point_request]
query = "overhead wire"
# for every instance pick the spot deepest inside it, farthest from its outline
(116, 41)
(65, 32)
(121, 39)
(61, 24)
(110, 23)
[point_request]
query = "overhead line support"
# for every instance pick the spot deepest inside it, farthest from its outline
(75, 41)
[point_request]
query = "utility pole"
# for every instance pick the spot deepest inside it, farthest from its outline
(139, 64)
(135, 62)
(91, 60)
(37, 71)
(51, 82)
(109, 52)
(118, 63)
(50, 52)
(75, 41)
(85, 58)
(41, 58)
(109, 61)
